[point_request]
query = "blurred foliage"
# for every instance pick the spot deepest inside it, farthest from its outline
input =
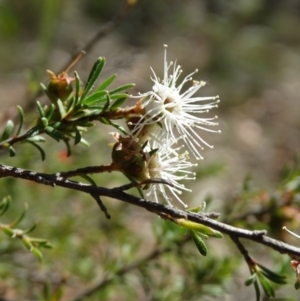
(247, 49)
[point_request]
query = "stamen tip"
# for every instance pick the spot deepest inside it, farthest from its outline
(165, 45)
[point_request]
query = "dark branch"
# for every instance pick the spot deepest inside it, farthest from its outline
(160, 209)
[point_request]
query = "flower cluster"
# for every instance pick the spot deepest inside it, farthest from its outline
(161, 118)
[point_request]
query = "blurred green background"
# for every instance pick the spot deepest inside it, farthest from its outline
(247, 51)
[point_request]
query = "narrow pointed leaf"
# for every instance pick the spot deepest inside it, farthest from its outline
(199, 227)
(117, 103)
(195, 209)
(4, 205)
(15, 222)
(119, 128)
(271, 275)
(37, 253)
(7, 230)
(21, 116)
(71, 105)
(49, 112)
(30, 229)
(251, 279)
(44, 121)
(266, 285)
(122, 88)
(199, 243)
(77, 88)
(27, 243)
(7, 130)
(275, 278)
(61, 109)
(68, 147)
(12, 151)
(257, 291)
(42, 152)
(106, 83)
(107, 102)
(77, 135)
(96, 70)
(40, 109)
(94, 98)
(182, 230)
(36, 139)
(53, 133)
(89, 179)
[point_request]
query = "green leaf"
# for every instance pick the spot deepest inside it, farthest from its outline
(199, 228)
(297, 284)
(37, 253)
(7, 130)
(195, 209)
(68, 147)
(42, 152)
(271, 275)
(49, 111)
(44, 121)
(21, 115)
(53, 133)
(182, 230)
(122, 88)
(34, 131)
(12, 151)
(257, 290)
(71, 104)
(15, 222)
(77, 88)
(36, 139)
(96, 70)
(251, 279)
(40, 109)
(266, 285)
(27, 243)
(117, 103)
(96, 97)
(4, 204)
(199, 243)
(77, 136)
(119, 128)
(107, 102)
(89, 179)
(106, 83)
(30, 229)
(7, 230)
(61, 109)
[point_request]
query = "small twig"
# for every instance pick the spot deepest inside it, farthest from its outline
(104, 31)
(242, 249)
(101, 205)
(87, 170)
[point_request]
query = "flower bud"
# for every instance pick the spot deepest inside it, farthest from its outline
(60, 87)
(130, 159)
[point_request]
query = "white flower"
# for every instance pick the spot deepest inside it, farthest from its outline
(169, 165)
(174, 110)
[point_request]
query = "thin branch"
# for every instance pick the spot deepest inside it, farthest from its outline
(173, 213)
